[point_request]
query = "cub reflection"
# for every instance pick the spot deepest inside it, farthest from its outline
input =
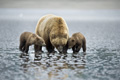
(57, 66)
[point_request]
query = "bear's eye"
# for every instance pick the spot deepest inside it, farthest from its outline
(72, 40)
(53, 36)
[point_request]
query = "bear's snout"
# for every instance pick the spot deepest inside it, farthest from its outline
(60, 49)
(43, 44)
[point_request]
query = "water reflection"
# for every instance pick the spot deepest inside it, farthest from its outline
(54, 66)
(102, 61)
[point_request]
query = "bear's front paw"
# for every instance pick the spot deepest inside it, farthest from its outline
(75, 52)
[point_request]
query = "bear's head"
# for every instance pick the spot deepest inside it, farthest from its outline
(59, 40)
(59, 34)
(71, 42)
(40, 41)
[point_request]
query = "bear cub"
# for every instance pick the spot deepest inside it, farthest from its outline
(27, 39)
(76, 41)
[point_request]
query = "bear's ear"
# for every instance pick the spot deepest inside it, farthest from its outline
(34, 35)
(73, 40)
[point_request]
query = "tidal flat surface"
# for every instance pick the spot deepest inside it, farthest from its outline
(101, 62)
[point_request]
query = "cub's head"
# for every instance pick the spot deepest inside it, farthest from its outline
(39, 41)
(71, 42)
(59, 40)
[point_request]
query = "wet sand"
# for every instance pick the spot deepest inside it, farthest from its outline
(102, 59)
(99, 21)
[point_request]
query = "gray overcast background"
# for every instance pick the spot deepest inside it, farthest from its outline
(61, 4)
(97, 20)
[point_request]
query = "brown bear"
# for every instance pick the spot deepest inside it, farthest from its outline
(76, 42)
(27, 39)
(53, 29)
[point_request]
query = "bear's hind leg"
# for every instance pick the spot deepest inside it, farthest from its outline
(84, 46)
(22, 45)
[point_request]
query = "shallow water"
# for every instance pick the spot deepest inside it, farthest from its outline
(101, 62)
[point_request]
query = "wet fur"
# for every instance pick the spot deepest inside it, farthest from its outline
(53, 29)
(27, 39)
(77, 41)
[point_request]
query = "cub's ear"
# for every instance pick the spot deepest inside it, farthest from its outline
(34, 35)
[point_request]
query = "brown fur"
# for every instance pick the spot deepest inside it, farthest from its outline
(27, 39)
(53, 29)
(76, 42)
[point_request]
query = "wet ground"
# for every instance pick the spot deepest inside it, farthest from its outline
(101, 62)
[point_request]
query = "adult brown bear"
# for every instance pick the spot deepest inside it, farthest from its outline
(53, 29)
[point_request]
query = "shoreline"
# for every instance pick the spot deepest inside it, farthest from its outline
(69, 15)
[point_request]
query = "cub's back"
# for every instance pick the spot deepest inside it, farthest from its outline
(25, 35)
(78, 35)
